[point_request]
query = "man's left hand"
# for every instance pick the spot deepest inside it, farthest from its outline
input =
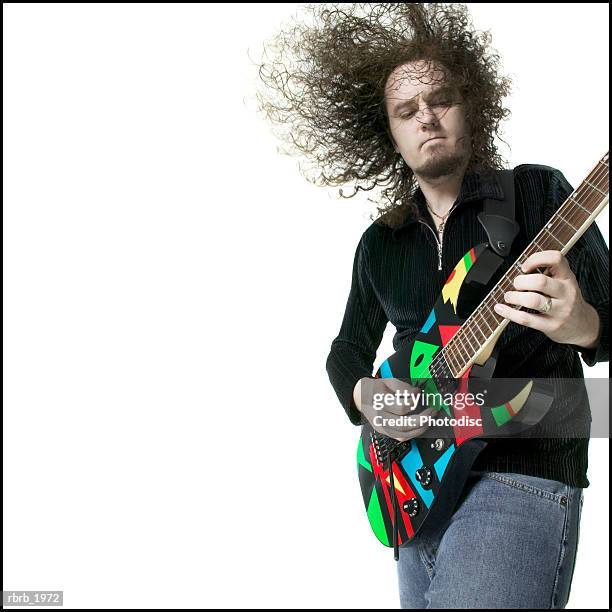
(564, 315)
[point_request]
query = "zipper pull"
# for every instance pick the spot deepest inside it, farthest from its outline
(439, 255)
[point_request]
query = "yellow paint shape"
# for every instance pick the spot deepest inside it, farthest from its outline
(518, 401)
(450, 291)
(398, 486)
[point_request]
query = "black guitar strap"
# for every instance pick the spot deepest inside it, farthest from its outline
(497, 217)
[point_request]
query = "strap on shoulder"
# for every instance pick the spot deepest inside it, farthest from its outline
(497, 217)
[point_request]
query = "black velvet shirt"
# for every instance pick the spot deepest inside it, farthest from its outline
(396, 278)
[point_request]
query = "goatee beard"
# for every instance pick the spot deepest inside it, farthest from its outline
(442, 164)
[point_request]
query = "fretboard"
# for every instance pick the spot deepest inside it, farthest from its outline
(560, 233)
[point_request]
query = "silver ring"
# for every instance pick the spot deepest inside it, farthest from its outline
(548, 305)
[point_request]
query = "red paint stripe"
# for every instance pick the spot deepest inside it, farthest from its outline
(470, 410)
(401, 498)
(450, 277)
(382, 476)
(447, 332)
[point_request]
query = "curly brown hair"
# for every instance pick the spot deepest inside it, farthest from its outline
(325, 89)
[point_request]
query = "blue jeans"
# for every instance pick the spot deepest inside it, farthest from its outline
(511, 543)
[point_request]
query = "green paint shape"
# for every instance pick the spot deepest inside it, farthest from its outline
(421, 372)
(501, 415)
(467, 260)
(361, 460)
(376, 519)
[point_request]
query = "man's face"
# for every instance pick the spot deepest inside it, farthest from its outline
(419, 108)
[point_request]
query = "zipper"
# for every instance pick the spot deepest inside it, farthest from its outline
(438, 242)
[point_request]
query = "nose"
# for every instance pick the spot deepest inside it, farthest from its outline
(428, 116)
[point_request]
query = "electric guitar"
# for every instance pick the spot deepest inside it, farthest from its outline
(410, 486)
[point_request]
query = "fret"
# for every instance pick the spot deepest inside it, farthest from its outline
(450, 359)
(603, 193)
(604, 163)
(458, 339)
(462, 359)
(450, 355)
(440, 360)
(503, 290)
(573, 199)
(474, 336)
(484, 336)
(495, 298)
(448, 362)
(457, 363)
(567, 222)
(472, 326)
(448, 368)
(485, 320)
(498, 299)
(551, 234)
(493, 314)
(436, 367)
(468, 340)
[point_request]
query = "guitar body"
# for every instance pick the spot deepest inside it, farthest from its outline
(428, 473)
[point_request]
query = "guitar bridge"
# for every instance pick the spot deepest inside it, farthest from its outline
(385, 447)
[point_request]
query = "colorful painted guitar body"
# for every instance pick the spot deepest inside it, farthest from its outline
(422, 478)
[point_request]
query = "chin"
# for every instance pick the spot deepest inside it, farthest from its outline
(441, 165)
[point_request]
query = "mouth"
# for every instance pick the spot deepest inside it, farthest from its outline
(432, 139)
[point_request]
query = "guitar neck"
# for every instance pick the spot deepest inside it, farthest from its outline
(560, 233)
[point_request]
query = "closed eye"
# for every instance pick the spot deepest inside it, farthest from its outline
(439, 104)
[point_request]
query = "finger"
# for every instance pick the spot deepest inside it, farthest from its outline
(398, 384)
(528, 299)
(428, 412)
(534, 321)
(382, 403)
(540, 283)
(554, 260)
(402, 398)
(411, 405)
(412, 422)
(400, 408)
(403, 436)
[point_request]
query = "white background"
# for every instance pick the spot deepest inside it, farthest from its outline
(172, 288)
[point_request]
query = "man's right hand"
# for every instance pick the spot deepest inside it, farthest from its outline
(373, 399)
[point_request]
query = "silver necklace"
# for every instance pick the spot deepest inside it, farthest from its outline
(442, 218)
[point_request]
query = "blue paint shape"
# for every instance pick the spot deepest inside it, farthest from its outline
(430, 321)
(385, 370)
(411, 462)
(442, 462)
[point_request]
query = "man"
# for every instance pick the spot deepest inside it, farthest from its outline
(407, 98)
(528, 497)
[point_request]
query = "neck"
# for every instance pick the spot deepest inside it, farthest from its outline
(441, 192)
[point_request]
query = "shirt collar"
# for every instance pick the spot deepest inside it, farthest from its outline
(475, 186)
